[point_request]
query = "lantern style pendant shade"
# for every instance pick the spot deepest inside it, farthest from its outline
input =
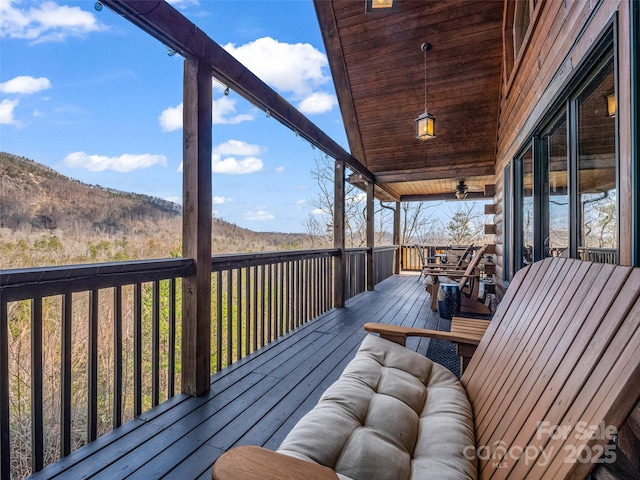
(611, 105)
(425, 126)
(425, 123)
(375, 5)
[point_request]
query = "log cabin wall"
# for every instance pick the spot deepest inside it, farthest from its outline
(558, 40)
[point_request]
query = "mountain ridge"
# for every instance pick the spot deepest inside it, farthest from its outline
(38, 199)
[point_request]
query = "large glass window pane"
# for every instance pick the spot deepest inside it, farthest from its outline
(557, 243)
(597, 192)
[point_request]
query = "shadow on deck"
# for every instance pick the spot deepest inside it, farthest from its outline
(255, 401)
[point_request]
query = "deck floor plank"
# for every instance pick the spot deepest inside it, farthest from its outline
(257, 400)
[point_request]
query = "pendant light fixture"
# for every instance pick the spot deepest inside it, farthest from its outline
(377, 5)
(425, 123)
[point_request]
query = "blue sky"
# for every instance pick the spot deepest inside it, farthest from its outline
(92, 96)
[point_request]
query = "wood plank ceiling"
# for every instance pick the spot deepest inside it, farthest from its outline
(378, 69)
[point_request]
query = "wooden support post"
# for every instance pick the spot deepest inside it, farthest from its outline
(338, 236)
(196, 227)
(396, 239)
(370, 237)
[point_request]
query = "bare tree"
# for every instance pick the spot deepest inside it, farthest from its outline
(465, 224)
(417, 217)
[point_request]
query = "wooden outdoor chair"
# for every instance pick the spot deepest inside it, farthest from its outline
(460, 261)
(468, 281)
(553, 379)
(557, 371)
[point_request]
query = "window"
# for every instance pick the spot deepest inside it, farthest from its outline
(557, 192)
(521, 19)
(596, 168)
(524, 210)
(507, 209)
(565, 179)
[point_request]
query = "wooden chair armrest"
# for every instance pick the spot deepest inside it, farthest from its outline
(256, 463)
(399, 334)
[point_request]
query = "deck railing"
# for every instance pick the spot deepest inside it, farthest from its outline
(256, 298)
(93, 346)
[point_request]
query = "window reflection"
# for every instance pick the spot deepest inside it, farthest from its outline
(557, 242)
(597, 192)
(527, 209)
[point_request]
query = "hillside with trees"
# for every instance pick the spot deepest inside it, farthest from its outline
(47, 218)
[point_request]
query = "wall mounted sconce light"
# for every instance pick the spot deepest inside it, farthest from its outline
(377, 5)
(611, 105)
(425, 123)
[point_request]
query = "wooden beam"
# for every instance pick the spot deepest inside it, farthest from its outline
(162, 21)
(196, 227)
(338, 235)
(370, 237)
(439, 197)
(333, 45)
(435, 173)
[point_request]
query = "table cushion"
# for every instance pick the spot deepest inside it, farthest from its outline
(393, 414)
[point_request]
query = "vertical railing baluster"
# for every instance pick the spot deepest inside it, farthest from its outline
(281, 329)
(137, 349)
(117, 357)
(316, 283)
(239, 313)
(304, 264)
(247, 316)
(229, 293)
(294, 294)
(172, 339)
(255, 307)
(5, 440)
(92, 425)
(155, 343)
(300, 315)
(269, 304)
(37, 426)
(262, 304)
(219, 321)
(65, 375)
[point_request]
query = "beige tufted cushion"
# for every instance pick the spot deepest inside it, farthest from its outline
(393, 414)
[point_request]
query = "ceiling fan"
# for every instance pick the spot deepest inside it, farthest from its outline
(462, 189)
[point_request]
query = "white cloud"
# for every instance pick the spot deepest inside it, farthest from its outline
(45, 21)
(233, 166)
(236, 147)
(319, 211)
(224, 109)
(280, 169)
(219, 200)
(224, 113)
(259, 215)
(124, 163)
(37, 113)
(299, 69)
(6, 111)
(302, 201)
(318, 102)
(25, 85)
(171, 119)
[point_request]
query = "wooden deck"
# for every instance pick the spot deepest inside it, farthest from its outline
(256, 400)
